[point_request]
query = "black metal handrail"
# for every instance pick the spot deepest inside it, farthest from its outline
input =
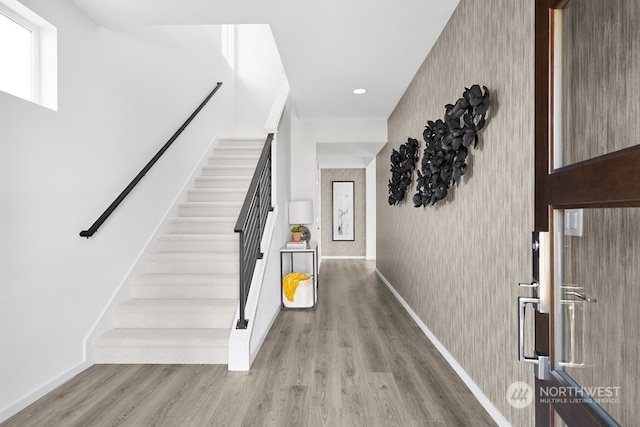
(251, 223)
(112, 207)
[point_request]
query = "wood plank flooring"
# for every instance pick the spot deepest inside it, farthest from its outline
(357, 360)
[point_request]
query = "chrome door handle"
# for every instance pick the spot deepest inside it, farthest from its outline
(541, 362)
(529, 285)
(540, 299)
(522, 307)
(583, 297)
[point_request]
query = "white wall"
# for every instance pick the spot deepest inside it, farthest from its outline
(371, 209)
(121, 95)
(305, 170)
(263, 301)
(270, 290)
(259, 73)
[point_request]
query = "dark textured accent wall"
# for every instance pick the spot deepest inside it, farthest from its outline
(457, 264)
(357, 247)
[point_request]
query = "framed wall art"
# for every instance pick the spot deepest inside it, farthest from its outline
(343, 210)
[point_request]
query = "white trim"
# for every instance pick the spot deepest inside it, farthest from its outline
(464, 376)
(273, 120)
(343, 257)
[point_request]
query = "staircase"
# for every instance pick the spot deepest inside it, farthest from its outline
(183, 307)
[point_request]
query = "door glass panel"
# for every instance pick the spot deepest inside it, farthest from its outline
(598, 300)
(597, 69)
(559, 422)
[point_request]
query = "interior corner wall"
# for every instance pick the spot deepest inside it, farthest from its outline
(456, 263)
(259, 74)
(122, 94)
(305, 172)
(371, 209)
(358, 247)
(271, 293)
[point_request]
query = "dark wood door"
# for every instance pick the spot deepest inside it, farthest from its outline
(587, 164)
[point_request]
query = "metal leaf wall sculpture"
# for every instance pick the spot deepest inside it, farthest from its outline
(447, 145)
(403, 162)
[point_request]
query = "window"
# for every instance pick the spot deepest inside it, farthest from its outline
(28, 54)
(228, 44)
(16, 51)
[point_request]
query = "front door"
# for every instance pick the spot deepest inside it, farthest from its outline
(587, 200)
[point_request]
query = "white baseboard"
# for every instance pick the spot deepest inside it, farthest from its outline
(464, 376)
(27, 400)
(342, 257)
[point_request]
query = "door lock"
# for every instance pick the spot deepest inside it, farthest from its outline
(541, 269)
(539, 300)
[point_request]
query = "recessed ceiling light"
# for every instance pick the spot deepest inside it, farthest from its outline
(359, 91)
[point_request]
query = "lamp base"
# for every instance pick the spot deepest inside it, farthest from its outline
(306, 234)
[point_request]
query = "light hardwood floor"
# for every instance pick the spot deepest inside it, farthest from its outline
(358, 360)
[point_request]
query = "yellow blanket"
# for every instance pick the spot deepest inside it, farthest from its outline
(290, 283)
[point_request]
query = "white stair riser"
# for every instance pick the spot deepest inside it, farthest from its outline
(172, 286)
(223, 170)
(199, 210)
(196, 261)
(161, 355)
(240, 143)
(238, 151)
(174, 320)
(198, 245)
(223, 182)
(213, 195)
(233, 159)
(200, 227)
(192, 267)
(185, 291)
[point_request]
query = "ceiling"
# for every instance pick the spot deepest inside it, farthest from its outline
(328, 48)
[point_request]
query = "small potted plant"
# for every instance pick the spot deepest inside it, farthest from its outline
(296, 233)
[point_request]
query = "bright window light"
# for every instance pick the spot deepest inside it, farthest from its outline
(17, 58)
(228, 44)
(28, 55)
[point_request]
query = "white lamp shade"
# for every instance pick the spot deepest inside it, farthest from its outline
(300, 212)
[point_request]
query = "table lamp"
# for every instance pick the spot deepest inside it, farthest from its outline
(301, 213)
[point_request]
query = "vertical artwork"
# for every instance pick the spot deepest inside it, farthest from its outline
(343, 211)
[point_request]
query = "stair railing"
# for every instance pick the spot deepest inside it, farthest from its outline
(112, 207)
(251, 224)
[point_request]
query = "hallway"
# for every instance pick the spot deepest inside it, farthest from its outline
(358, 360)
